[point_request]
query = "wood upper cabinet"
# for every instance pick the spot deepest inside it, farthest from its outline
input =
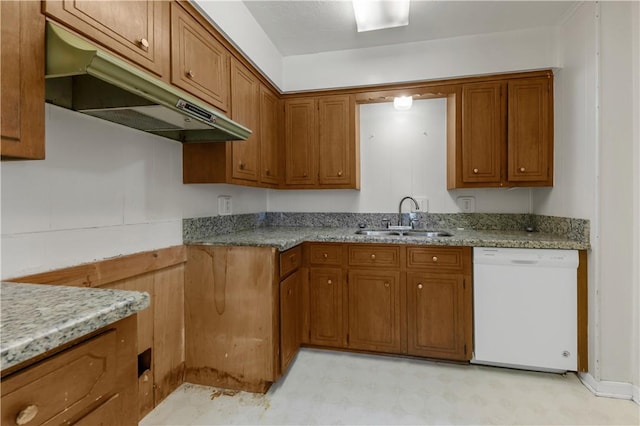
(374, 310)
(436, 316)
(136, 30)
(199, 63)
(325, 307)
(271, 124)
(506, 134)
(482, 133)
(530, 128)
(300, 142)
(336, 136)
(22, 80)
(321, 145)
(245, 109)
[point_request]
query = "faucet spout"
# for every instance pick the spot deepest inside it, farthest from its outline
(415, 204)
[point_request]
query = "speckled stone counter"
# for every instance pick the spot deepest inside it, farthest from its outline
(37, 318)
(284, 238)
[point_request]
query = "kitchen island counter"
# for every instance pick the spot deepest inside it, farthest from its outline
(38, 318)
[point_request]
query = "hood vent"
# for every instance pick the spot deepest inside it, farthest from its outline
(81, 77)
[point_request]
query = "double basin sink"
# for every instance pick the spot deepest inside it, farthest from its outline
(404, 233)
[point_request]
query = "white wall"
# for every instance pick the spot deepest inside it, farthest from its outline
(235, 21)
(461, 56)
(402, 153)
(595, 176)
(104, 190)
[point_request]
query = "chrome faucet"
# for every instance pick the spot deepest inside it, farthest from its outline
(415, 203)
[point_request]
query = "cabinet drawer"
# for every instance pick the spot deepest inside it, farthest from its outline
(449, 259)
(64, 387)
(365, 255)
(290, 260)
(325, 254)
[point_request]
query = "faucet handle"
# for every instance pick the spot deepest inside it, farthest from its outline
(385, 222)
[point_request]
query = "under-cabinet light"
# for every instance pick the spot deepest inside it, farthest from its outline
(379, 14)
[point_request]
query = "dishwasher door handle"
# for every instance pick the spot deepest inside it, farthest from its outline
(524, 262)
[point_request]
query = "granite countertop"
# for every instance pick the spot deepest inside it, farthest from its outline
(284, 238)
(37, 318)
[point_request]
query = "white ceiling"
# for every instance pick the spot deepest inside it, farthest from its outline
(311, 26)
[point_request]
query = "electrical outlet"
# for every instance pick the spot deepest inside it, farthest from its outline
(423, 202)
(224, 205)
(466, 204)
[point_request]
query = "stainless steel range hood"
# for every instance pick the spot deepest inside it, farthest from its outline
(84, 78)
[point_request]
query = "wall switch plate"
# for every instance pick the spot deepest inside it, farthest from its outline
(423, 202)
(224, 205)
(466, 204)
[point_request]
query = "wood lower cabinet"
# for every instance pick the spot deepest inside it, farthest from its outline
(506, 134)
(396, 299)
(22, 80)
(290, 318)
(326, 325)
(232, 333)
(436, 316)
(374, 310)
(136, 30)
(92, 382)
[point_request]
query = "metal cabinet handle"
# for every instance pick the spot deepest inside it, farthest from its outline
(386, 285)
(340, 173)
(434, 258)
(329, 282)
(325, 255)
(190, 74)
(144, 43)
(475, 171)
(373, 257)
(27, 414)
(267, 172)
(241, 165)
(522, 169)
(420, 286)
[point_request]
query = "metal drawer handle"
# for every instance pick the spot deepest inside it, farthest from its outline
(26, 415)
(434, 258)
(325, 255)
(373, 257)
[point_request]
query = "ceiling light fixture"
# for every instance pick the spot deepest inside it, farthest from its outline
(402, 103)
(379, 14)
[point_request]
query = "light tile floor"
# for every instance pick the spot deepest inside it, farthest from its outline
(324, 387)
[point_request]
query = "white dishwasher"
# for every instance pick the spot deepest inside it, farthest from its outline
(525, 308)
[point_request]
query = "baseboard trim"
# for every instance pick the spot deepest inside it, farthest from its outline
(618, 390)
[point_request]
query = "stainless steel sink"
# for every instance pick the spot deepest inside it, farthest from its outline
(377, 232)
(404, 233)
(430, 234)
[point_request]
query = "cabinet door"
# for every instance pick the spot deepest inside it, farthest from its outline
(300, 142)
(482, 134)
(199, 63)
(325, 307)
(245, 109)
(530, 142)
(134, 29)
(436, 316)
(270, 136)
(290, 319)
(374, 310)
(22, 77)
(336, 140)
